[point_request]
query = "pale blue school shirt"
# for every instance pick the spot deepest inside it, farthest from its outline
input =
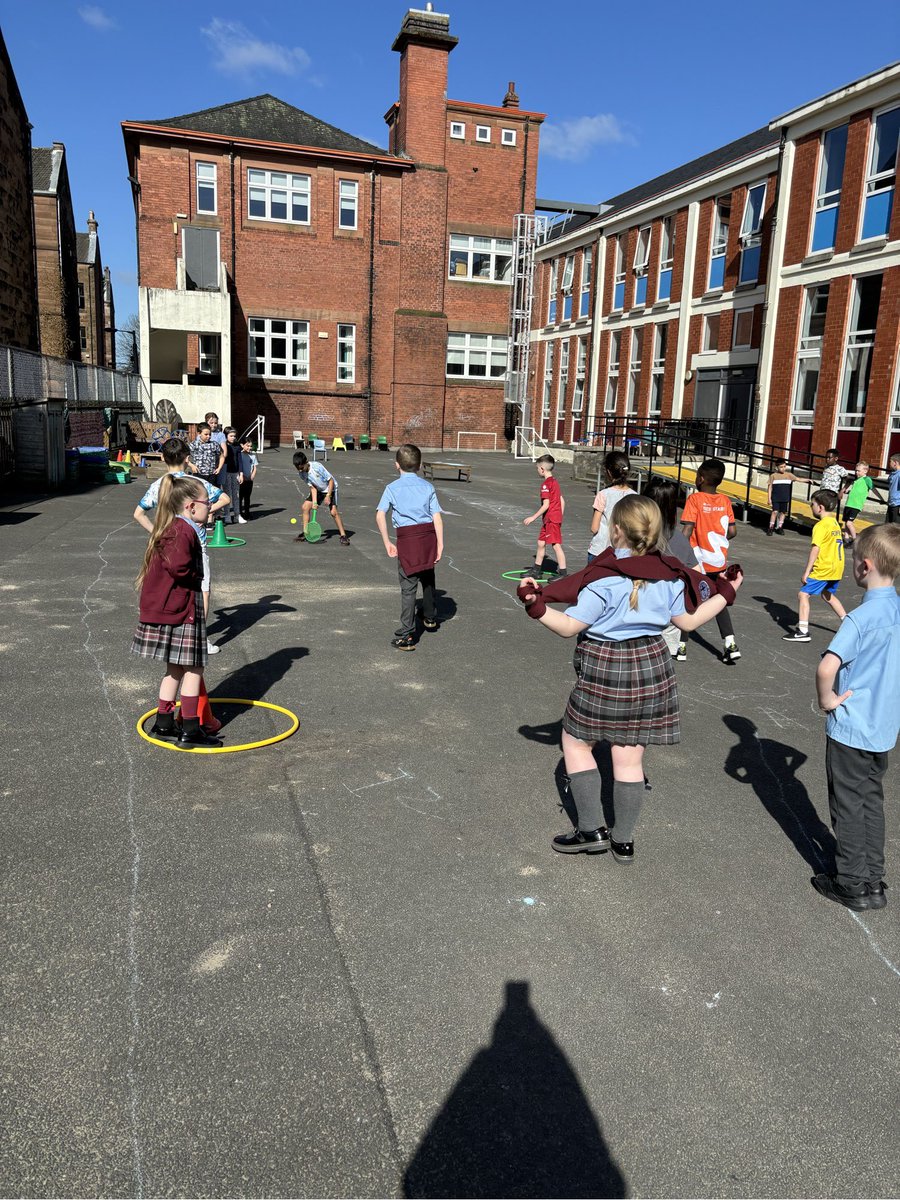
(868, 645)
(894, 489)
(604, 607)
(411, 499)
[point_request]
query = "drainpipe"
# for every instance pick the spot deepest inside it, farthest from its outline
(371, 300)
(770, 301)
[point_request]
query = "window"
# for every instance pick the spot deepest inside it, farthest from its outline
(634, 371)
(828, 191)
(554, 283)
(641, 259)
(81, 295)
(580, 372)
(457, 129)
(476, 355)
(346, 353)
(710, 333)
(567, 278)
(201, 258)
(548, 382)
(348, 197)
(209, 361)
(719, 243)
(484, 259)
(809, 354)
(619, 285)
(860, 341)
(206, 187)
(563, 382)
(880, 177)
(660, 340)
(666, 259)
(507, 137)
(751, 234)
(278, 349)
(742, 336)
(276, 196)
(612, 382)
(895, 415)
(82, 336)
(482, 133)
(587, 267)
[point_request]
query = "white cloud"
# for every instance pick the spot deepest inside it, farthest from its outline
(96, 18)
(238, 52)
(575, 140)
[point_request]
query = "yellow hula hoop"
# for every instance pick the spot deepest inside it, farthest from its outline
(279, 737)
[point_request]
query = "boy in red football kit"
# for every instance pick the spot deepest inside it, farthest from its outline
(708, 523)
(552, 509)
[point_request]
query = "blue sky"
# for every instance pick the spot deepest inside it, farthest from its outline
(626, 99)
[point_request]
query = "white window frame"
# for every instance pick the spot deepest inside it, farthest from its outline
(619, 277)
(562, 385)
(552, 309)
(751, 232)
(206, 183)
(458, 130)
(494, 250)
(895, 411)
(667, 243)
(876, 182)
(209, 359)
(658, 368)
(719, 243)
(482, 133)
(642, 251)
(295, 185)
(507, 137)
(832, 198)
(296, 338)
(548, 382)
(346, 353)
(587, 274)
(859, 342)
(348, 200)
(612, 374)
(746, 315)
(705, 332)
(491, 345)
(809, 357)
(568, 273)
(634, 370)
(580, 374)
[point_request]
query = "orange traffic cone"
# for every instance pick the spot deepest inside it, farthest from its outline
(204, 711)
(119, 456)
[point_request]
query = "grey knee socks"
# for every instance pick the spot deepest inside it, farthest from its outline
(586, 793)
(627, 798)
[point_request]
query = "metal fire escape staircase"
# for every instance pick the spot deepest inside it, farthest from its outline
(530, 232)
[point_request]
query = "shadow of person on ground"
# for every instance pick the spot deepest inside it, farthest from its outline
(257, 511)
(771, 770)
(517, 1123)
(254, 681)
(234, 619)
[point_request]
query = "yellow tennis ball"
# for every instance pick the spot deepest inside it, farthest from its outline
(293, 520)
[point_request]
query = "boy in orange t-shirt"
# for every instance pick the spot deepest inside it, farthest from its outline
(708, 523)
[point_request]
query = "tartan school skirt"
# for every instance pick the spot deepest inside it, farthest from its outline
(625, 695)
(182, 645)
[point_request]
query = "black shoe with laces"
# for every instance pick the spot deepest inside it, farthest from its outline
(856, 899)
(622, 852)
(404, 641)
(581, 842)
(877, 898)
(164, 726)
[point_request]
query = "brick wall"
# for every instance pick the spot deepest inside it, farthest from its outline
(18, 283)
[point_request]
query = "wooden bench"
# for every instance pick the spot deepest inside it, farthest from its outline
(462, 471)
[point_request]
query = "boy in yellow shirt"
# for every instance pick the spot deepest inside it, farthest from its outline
(825, 565)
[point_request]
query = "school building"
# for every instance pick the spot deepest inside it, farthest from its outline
(290, 269)
(757, 286)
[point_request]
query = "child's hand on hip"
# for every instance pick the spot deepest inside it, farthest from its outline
(832, 701)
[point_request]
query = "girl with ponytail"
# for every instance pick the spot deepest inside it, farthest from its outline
(625, 693)
(617, 469)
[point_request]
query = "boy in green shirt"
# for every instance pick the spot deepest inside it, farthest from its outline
(857, 495)
(825, 565)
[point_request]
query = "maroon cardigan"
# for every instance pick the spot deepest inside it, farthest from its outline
(417, 547)
(653, 565)
(174, 576)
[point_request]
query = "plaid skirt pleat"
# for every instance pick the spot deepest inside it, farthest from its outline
(183, 645)
(626, 694)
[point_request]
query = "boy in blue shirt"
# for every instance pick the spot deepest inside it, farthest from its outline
(856, 683)
(323, 489)
(893, 509)
(416, 516)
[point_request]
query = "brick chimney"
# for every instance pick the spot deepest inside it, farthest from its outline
(424, 44)
(92, 221)
(511, 99)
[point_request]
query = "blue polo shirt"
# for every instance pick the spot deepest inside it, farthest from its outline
(605, 607)
(411, 499)
(894, 489)
(868, 645)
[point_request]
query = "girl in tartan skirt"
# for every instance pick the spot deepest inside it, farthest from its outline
(172, 627)
(625, 693)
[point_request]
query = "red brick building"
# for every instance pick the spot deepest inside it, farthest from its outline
(57, 258)
(290, 269)
(96, 305)
(19, 324)
(758, 285)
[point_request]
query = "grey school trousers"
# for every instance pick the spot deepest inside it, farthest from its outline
(409, 588)
(856, 803)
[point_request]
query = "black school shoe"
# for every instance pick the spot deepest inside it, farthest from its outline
(877, 898)
(827, 886)
(404, 642)
(622, 852)
(430, 626)
(164, 726)
(581, 842)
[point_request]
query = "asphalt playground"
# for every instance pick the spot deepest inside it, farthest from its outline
(349, 964)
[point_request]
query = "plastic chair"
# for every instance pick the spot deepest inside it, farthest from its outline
(365, 442)
(382, 443)
(298, 439)
(338, 444)
(349, 441)
(319, 446)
